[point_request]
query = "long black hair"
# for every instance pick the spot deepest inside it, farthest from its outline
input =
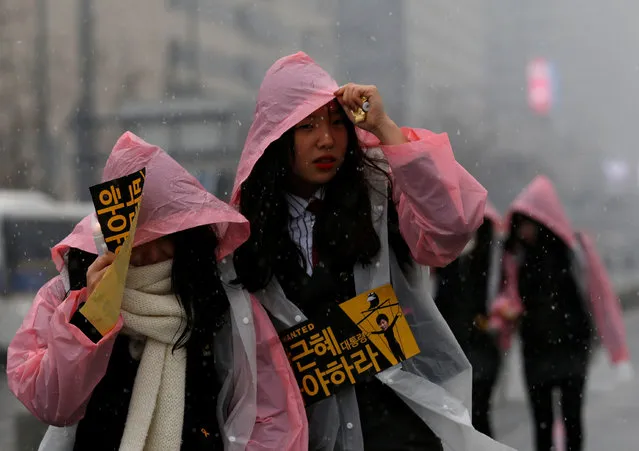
(343, 230)
(195, 282)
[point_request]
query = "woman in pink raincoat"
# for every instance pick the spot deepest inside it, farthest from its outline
(554, 286)
(337, 210)
(193, 363)
(465, 290)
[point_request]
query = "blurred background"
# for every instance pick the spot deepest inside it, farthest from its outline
(522, 88)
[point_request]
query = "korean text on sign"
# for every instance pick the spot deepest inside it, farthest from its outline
(322, 364)
(115, 204)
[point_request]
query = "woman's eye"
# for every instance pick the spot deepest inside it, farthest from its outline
(305, 126)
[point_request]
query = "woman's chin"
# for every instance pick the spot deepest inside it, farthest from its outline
(322, 177)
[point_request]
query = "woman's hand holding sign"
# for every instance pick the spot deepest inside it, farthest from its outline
(96, 271)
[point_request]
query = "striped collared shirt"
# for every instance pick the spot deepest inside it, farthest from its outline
(300, 225)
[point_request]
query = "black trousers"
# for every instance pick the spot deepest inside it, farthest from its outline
(485, 358)
(541, 401)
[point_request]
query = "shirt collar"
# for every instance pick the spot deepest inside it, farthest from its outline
(297, 205)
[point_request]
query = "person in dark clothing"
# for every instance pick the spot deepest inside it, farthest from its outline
(555, 328)
(108, 407)
(388, 330)
(325, 206)
(463, 294)
(547, 280)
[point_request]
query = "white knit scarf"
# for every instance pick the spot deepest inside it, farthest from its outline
(151, 311)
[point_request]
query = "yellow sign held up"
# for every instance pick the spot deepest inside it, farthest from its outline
(102, 309)
(115, 210)
(118, 220)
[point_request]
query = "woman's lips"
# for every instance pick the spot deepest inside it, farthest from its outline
(325, 163)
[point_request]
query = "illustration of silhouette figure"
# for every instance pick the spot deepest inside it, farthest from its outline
(373, 301)
(389, 333)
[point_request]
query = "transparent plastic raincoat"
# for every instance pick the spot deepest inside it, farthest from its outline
(439, 206)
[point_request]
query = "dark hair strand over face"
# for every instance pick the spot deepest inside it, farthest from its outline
(197, 286)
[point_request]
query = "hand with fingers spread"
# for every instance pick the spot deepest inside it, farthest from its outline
(96, 271)
(377, 121)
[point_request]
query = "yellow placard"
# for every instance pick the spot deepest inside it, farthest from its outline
(379, 316)
(338, 347)
(102, 309)
(115, 209)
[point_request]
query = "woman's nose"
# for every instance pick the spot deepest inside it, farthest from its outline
(325, 139)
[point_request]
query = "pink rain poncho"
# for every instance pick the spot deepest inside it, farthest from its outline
(439, 206)
(53, 367)
(540, 202)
